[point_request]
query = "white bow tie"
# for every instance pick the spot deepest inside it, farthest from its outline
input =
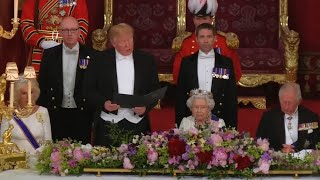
(206, 56)
(120, 58)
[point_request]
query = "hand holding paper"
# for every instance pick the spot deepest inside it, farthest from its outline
(139, 110)
(287, 148)
(111, 107)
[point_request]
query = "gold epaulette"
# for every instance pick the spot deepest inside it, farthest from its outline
(232, 39)
(177, 41)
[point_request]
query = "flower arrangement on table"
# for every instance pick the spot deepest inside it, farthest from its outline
(214, 152)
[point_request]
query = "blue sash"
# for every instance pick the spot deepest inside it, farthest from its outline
(26, 131)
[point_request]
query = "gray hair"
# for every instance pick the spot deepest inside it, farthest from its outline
(209, 100)
(22, 82)
(291, 86)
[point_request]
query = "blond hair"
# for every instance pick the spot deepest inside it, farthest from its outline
(120, 29)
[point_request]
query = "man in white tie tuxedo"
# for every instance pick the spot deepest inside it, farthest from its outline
(290, 127)
(60, 79)
(120, 70)
(208, 71)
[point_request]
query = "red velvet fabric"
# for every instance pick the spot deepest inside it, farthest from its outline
(261, 60)
(14, 49)
(154, 21)
(255, 22)
(303, 18)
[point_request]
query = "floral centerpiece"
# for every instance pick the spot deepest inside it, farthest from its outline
(206, 149)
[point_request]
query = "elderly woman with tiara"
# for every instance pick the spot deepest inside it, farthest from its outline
(200, 104)
(32, 130)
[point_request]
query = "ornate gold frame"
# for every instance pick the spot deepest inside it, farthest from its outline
(289, 38)
(295, 173)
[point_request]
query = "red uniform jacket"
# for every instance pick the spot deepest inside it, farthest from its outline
(190, 46)
(49, 18)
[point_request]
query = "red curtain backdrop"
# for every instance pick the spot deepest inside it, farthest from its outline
(304, 18)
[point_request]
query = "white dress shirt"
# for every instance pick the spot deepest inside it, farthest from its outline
(69, 66)
(291, 134)
(125, 75)
(205, 67)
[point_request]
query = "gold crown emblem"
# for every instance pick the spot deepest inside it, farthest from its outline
(201, 93)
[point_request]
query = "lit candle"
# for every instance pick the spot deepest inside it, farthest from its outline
(15, 10)
(11, 94)
(29, 92)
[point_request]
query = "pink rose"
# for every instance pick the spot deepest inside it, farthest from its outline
(55, 156)
(152, 156)
(193, 131)
(216, 139)
(127, 164)
(77, 154)
(123, 148)
(264, 166)
(263, 144)
(176, 131)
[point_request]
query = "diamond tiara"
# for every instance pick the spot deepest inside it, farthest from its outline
(201, 93)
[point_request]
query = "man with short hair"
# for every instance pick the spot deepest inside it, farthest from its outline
(204, 12)
(290, 127)
(121, 70)
(40, 20)
(60, 80)
(210, 71)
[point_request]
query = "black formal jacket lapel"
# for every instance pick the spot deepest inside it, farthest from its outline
(280, 125)
(137, 73)
(59, 71)
(216, 82)
(194, 70)
(302, 135)
(114, 69)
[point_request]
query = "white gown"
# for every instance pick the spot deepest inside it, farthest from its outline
(189, 123)
(38, 124)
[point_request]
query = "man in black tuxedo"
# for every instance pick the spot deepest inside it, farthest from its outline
(210, 71)
(121, 70)
(290, 127)
(61, 77)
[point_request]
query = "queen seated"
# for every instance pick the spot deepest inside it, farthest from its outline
(200, 104)
(32, 128)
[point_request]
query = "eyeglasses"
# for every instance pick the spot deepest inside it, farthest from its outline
(72, 30)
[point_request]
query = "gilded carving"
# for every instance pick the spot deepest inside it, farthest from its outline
(232, 39)
(99, 39)
(9, 34)
(257, 102)
(10, 155)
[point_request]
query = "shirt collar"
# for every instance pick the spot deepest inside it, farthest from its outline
(120, 57)
(291, 115)
(74, 50)
(202, 55)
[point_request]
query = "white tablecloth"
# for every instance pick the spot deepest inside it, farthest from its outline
(25, 174)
